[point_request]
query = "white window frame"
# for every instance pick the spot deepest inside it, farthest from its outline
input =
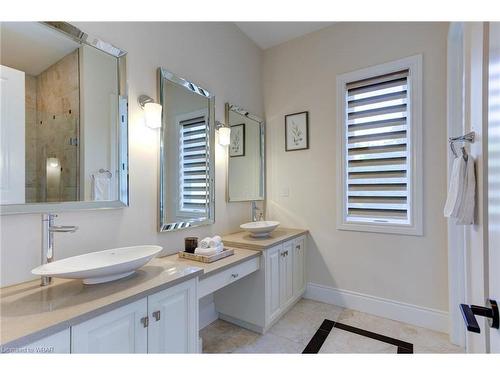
(414, 147)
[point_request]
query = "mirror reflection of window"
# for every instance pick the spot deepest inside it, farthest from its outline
(193, 164)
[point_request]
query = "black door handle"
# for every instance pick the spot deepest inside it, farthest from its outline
(491, 312)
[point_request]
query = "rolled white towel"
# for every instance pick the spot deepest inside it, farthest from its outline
(219, 248)
(215, 241)
(205, 243)
(206, 252)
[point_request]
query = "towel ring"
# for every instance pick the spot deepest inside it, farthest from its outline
(108, 173)
(468, 138)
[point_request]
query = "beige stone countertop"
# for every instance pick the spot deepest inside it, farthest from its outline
(239, 256)
(244, 240)
(29, 312)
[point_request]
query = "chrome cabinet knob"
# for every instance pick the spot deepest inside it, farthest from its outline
(145, 321)
(156, 315)
(234, 275)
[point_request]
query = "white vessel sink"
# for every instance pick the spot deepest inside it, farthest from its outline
(260, 228)
(100, 266)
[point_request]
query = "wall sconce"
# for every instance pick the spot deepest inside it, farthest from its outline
(53, 162)
(152, 111)
(224, 133)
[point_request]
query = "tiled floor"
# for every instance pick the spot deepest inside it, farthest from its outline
(294, 330)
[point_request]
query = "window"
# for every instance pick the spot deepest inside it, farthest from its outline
(193, 164)
(380, 150)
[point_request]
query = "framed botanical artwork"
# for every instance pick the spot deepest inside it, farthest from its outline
(297, 131)
(237, 142)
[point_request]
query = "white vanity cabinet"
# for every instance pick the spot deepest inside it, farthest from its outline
(57, 343)
(286, 274)
(273, 263)
(299, 280)
(123, 330)
(260, 299)
(173, 320)
(164, 322)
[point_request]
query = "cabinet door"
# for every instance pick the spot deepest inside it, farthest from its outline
(286, 274)
(123, 330)
(273, 256)
(58, 343)
(173, 317)
(298, 266)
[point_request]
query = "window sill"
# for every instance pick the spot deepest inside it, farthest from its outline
(408, 230)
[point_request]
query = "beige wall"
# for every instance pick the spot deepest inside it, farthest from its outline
(196, 51)
(301, 76)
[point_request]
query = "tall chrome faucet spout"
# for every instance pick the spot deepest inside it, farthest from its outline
(256, 217)
(48, 230)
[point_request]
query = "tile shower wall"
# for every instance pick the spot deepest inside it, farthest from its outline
(55, 129)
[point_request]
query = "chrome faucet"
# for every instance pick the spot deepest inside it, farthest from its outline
(254, 212)
(48, 230)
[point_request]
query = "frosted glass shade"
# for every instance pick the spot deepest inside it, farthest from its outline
(152, 114)
(224, 136)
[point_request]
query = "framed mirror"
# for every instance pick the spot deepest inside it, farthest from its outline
(186, 183)
(246, 156)
(64, 125)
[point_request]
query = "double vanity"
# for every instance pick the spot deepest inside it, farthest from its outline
(74, 146)
(156, 309)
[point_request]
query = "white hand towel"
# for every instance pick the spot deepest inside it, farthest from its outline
(466, 213)
(209, 251)
(220, 247)
(206, 252)
(101, 188)
(456, 188)
(205, 243)
(215, 241)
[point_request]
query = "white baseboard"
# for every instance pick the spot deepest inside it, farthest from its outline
(207, 314)
(436, 320)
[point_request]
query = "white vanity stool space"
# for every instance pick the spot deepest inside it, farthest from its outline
(260, 282)
(260, 299)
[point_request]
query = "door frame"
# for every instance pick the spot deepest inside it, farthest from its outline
(456, 234)
(468, 111)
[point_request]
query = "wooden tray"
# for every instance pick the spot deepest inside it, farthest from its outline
(206, 258)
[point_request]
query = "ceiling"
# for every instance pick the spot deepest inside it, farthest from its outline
(270, 34)
(32, 47)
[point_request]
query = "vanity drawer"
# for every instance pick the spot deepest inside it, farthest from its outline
(219, 280)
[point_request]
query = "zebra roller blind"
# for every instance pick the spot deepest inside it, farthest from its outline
(194, 165)
(377, 128)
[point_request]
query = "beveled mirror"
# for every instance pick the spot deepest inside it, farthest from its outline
(186, 181)
(64, 127)
(246, 156)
